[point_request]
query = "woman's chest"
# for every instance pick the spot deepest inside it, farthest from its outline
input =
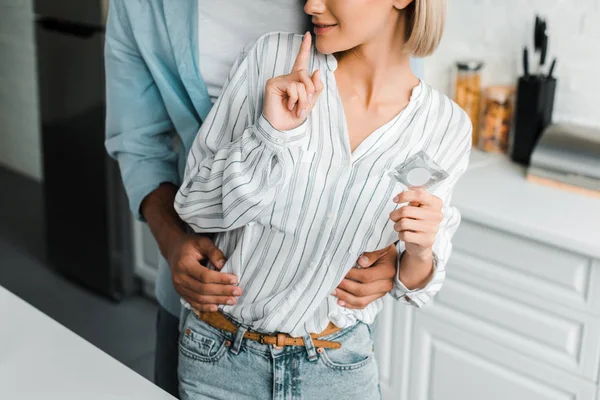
(361, 123)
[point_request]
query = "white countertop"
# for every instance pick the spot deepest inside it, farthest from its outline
(41, 359)
(494, 192)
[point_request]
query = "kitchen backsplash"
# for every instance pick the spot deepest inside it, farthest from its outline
(496, 32)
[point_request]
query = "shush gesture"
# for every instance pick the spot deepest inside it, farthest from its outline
(290, 98)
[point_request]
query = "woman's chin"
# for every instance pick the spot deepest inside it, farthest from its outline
(324, 47)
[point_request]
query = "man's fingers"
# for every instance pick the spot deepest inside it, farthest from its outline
(205, 307)
(199, 272)
(202, 307)
(385, 270)
(194, 300)
(207, 249)
(211, 288)
(366, 289)
(348, 300)
(217, 277)
(367, 259)
(303, 54)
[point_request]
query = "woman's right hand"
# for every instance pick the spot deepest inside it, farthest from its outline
(290, 98)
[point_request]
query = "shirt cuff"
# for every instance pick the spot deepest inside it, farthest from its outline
(277, 139)
(143, 179)
(402, 293)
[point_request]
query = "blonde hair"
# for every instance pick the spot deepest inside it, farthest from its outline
(425, 21)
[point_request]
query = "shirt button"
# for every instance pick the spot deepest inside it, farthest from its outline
(330, 215)
(279, 141)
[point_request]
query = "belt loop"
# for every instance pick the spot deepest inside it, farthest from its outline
(237, 342)
(310, 347)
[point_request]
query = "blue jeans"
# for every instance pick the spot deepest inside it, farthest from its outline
(209, 367)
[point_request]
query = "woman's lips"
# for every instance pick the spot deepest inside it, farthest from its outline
(323, 29)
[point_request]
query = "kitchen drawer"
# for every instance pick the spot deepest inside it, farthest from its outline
(553, 334)
(553, 273)
(451, 362)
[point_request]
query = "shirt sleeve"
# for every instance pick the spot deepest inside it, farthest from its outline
(237, 162)
(442, 247)
(139, 131)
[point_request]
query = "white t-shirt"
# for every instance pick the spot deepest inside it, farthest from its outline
(226, 26)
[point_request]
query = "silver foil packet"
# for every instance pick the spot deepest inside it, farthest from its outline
(419, 171)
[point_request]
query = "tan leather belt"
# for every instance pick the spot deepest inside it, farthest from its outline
(219, 321)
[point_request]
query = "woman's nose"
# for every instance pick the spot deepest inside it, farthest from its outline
(314, 7)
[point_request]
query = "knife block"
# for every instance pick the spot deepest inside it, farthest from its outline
(533, 113)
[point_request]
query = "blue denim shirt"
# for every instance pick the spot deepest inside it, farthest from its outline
(156, 97)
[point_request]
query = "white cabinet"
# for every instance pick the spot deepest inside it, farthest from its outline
(501, 328)
(392, 337)
(452, 363)
(146, 256)
(519, 315)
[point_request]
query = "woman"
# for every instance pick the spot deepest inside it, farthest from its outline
(290, 170)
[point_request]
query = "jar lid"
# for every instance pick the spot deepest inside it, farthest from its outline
(469, 65)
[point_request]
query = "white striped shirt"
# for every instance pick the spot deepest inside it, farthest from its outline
(294, 210)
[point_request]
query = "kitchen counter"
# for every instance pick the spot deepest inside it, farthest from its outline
(41, 359)
(519, 314)
(495, 190)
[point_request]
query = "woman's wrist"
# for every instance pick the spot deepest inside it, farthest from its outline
(415, 271)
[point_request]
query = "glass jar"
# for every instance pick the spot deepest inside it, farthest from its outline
(468, 91)
(496, 119)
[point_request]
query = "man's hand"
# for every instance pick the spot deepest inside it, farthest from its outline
(203, 288)
(373, 280)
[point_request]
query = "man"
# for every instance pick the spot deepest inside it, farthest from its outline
(166, 62)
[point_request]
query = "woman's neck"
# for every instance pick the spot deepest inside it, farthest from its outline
(378, 71)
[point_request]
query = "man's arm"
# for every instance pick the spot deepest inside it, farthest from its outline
(139, 131)
(164, 223)
(199, 286)
(139, 137)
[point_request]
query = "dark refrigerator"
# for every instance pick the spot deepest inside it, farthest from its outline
(88, 225)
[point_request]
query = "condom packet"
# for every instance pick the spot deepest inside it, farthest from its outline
(419, 171)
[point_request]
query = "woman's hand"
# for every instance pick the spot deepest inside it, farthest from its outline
(418, 222)
(290, 98)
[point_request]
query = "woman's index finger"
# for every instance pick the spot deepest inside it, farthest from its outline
(303, 54)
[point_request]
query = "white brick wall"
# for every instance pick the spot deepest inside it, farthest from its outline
(497, 30)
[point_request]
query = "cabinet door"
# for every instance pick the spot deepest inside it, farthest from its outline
(449, 363)
(392, 338)
(146, 253)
